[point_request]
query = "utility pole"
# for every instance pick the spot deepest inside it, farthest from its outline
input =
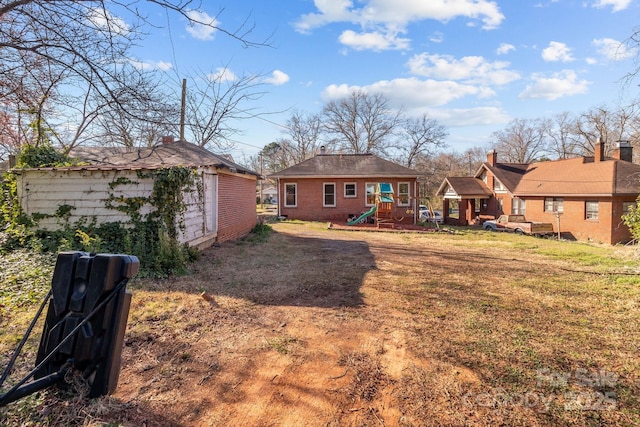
(182, 108)
(261, 181)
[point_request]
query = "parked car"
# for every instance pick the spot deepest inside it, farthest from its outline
(519, 225)
(425, 215)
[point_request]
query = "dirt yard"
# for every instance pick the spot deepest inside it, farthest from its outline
(321, 327)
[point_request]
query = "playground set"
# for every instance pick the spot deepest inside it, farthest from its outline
(385, 213)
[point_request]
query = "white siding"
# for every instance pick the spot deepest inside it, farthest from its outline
(43, 192)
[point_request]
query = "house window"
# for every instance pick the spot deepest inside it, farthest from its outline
(591, 209)
(329, 193)
(371, 193)
(483, 177)
(403, 194)
(291, 195)
(517, 206)
(350, 189)
(497, 186)
(553, 204)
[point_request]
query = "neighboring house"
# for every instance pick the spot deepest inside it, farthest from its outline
(334, 187)
(584, 198)
(269, 194)
(221, 207)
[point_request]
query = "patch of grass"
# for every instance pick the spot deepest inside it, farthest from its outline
(25, 278)
(282, 344)
(260, 233)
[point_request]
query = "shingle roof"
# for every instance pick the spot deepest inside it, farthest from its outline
(465, 186)
(571, 177)
(346, 165)
(509, 174)
(179, 153)
(578, 177)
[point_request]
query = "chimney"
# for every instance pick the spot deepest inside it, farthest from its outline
(623, 151)
(598, 151)
(492, 157)
(166, 140)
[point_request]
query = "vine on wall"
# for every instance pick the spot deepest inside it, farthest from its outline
(153, 237)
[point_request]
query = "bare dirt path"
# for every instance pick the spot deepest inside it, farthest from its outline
(322, 327)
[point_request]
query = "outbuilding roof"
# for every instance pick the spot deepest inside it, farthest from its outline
(346, 166)
(180, 153)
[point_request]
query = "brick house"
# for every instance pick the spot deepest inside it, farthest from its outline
(334, 187)
(584, 198)
(222, 206)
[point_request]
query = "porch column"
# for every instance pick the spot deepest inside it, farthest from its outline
(445, 209)
(471, 210)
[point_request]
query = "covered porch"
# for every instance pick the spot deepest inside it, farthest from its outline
(469, 194)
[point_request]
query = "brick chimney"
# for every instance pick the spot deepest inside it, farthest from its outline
(166, 140)
(492, 157)
(598, 151)
(623, 151)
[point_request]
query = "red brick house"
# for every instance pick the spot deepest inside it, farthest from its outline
(584, 198)
(334, 187)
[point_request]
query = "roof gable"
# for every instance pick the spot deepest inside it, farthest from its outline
(346, 165)
(464, 187)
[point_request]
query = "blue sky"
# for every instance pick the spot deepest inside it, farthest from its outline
(473, 65)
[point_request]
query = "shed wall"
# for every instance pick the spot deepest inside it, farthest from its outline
(237, 213)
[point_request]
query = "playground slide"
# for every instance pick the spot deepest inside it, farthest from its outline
(363, 216)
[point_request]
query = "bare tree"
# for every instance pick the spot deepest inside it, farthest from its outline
(89, 42)
(216, 102)
(609, 126)
(523, 141)
(361, 123)
(424, 136)
(562, 138)
(303, 140)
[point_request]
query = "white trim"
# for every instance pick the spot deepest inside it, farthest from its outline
(355, 190)
(366, 194)
(295, 186)
(324, 194)
(408, 194)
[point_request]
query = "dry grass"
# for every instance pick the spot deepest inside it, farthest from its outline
(325, 327)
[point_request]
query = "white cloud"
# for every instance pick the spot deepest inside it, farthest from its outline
(437, 37)
(329, 11)
(223, 75)
(159, 65)
(395, 15)
(557, 52)
(277, 78)
(472, 69)
(564, 83)
(617, 5)
(505, 48)
(462, 117)
(202, 26)
(412, 93)
(104, 20)
(373, 41)
(613, 50)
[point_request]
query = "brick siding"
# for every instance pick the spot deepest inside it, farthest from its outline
(237, 213)
(310, 199)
